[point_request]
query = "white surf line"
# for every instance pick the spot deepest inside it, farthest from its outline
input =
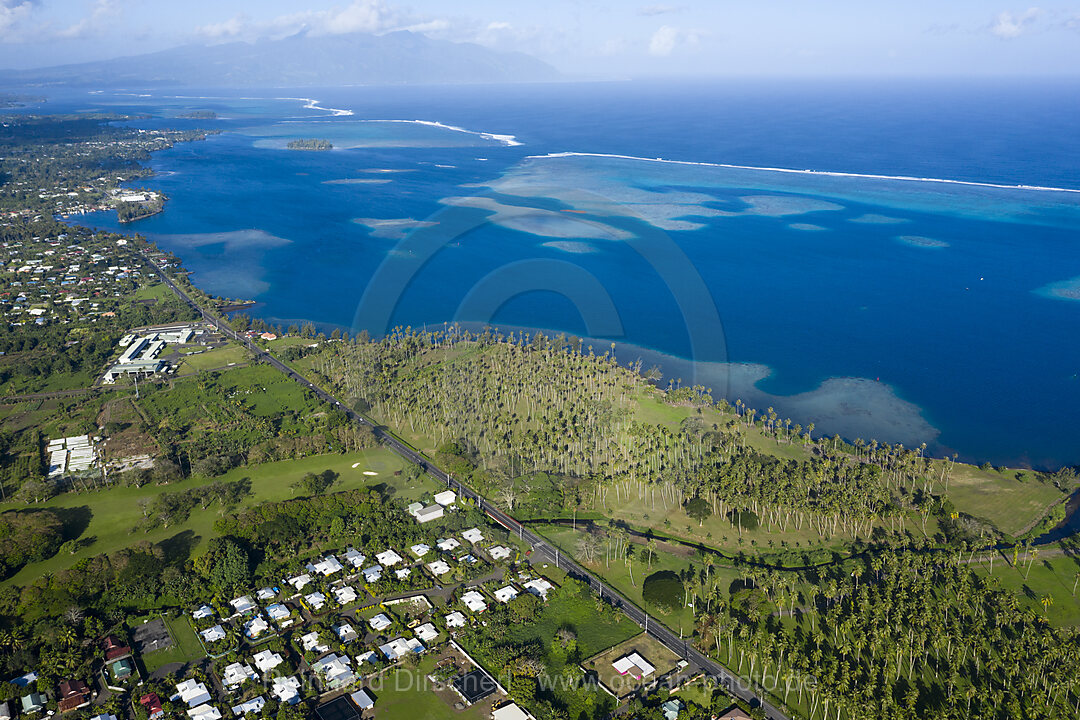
(507, 140)
(313, 104)
(792, 171)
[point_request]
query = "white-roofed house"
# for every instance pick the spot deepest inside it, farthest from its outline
(316, 601)
(192, 692)
(401, 647)
(286, 689)
(455, 620)
(213, 634)
(380, 622)
(473, 535)
(474, 601)
(426, 632)
(510, 711)
(539, 587)
(414, 508)
(203, 612)
(335, 670)
(266, 660)
(446, 498)
(438, 568)
(448, 544)
(266, 593)
(634, 665)
(420, 549)
(255, 627)
(429, 513)
(506, 594)
(372, 574)
(254, 706)
(311, 643)
(346, 632)
(235, 675)
(388, 558)
(403, 573)
(243, 604)
(354, 557)
(362, 700)
(498, 552)
(204, 712)
(367, 657)
(300, 581)
(345, 595)
(279, 613)
(328, 566)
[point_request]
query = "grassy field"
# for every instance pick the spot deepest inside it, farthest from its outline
(115, 511)
(1052, 574)
(1010, 504)
(158, 292)
(218, 358)
(648, 647)
(403, 694)
(185, 646)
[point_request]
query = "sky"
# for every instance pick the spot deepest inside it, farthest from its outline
(595, 38)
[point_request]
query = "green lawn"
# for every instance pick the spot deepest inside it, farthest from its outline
(218, 358)
(1051, 574)
(403, 694)
(115, 511)
(1010, 504)
(158, 291)
(595, 631)
(185, 647)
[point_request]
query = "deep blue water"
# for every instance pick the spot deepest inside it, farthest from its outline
(948, 334)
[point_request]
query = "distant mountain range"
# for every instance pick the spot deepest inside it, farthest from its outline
(300, 61)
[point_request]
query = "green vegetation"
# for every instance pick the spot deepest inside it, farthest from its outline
(402, 697)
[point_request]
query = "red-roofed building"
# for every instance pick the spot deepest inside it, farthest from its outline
(114, 649)
(152, 703)
(74, 694)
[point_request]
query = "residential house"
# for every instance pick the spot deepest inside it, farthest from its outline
(510, 711)
(255, 627)
(316, 601)
(372, 574)
(279, 613)
(236, 675)
(335, 670)
(539, 587)
(380, 622)
(346, 632)
(506, 594)
(213, 634)
(266, 661)
(192, 693)
(367, 657)
(253, 706)
(429, 513)
(400, 647)
(204, 611)
(74, 694)
(426, 633)
(448, 544)
(388, 558)
(243, 604)
(420, 550)
(634, 665)
(286, 689)
(299, 581)
(498, 552)
(354, 558)
(402, 573)
(33, 703)
(446, 498)
(311, 643)
(671, 709)
(455, 620)
(345, 595)
(204, 712)
(328, 566)
(473, 535)
(438, 568)
(266, 593)
(474, 601)
(362, 699)
(152, 703)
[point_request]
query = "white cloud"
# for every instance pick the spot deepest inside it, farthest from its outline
(12, 13)
(653, 10)
(668, 39)
(93, 23)
(1008, 26)
(228, 29)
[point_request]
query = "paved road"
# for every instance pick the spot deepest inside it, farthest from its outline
(542, 549)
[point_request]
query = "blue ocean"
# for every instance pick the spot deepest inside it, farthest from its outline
(893, 261)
